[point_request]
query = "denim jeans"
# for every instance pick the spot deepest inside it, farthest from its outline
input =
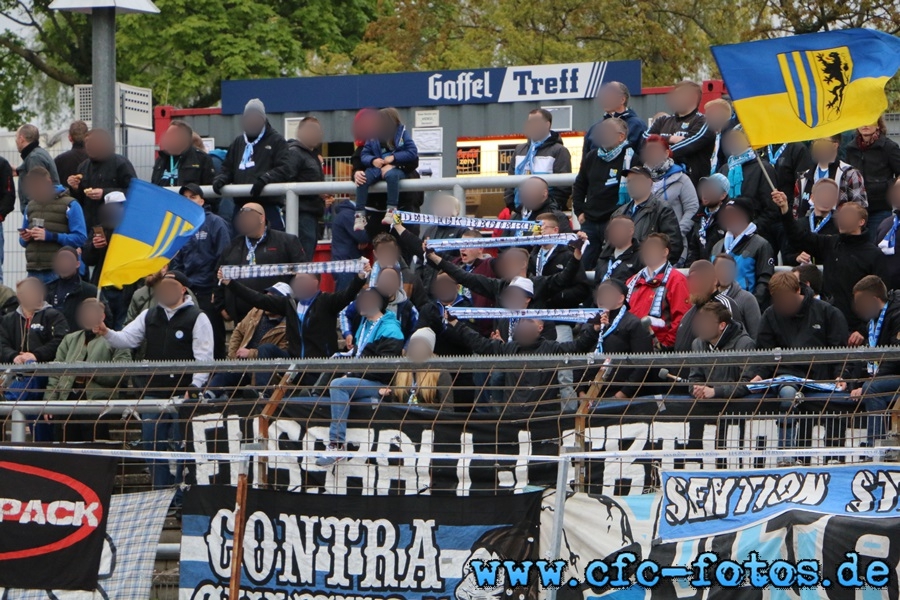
(787, 437)
(161, 432)
(877, 396)
(342, 392)
(308, 232)
(391, 178)
(45, 276)
(595, 232)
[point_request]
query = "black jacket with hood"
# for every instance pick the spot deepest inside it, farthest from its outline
(557, 159)
(193, 166)
(271, 164)
(306, 167)
(40, 335)
(728, 380)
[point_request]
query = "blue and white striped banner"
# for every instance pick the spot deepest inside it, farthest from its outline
(569, 315)
(472, 222)
(281, 270)
(559, 239)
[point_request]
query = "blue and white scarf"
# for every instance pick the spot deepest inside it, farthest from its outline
(660, 293)
(470, 222)
(607, 331)
(247, 158)
(706, 220)
(282, 270)
(736, 171)
(812, 221)
(890, 240)
(612, 154)
(874, 334)
(774, 156)
(731, 242)
(568, 315)
(543, 256)
(526, 167)
(500, 242)
(252, 246)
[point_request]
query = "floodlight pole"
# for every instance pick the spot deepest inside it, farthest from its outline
(103, 69)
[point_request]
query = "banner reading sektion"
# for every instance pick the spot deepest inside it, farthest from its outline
(53, 511)
(699, 503)
(398, 547)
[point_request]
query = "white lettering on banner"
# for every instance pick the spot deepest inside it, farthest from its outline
(287, 549)
(465, 87)
(56, 512)
(552, 82)
(866, 487)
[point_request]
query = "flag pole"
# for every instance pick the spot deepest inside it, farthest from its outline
(764, 172)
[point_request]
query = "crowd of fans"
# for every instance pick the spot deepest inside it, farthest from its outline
(680, 227)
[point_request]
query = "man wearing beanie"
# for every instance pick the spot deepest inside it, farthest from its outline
(257, 157)
(753, 255)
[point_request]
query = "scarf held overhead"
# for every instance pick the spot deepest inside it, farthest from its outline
(280, 270)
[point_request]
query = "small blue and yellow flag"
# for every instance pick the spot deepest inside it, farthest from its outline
(156, 224)
(809, 86)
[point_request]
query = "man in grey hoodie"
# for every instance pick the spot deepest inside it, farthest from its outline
(28, 142)
(716, 331)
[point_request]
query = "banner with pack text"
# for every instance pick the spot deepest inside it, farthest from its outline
(398, 547)
(53, 512)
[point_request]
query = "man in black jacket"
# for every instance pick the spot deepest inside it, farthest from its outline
(790, 162)
(34, 331)
(103, 172)
(306, 166)
(690, 139)
(68, 291)
(534, 199)
(707, 231)
(255, 244)
(179, 163)
(845, 258)
(716, 331)
(257, 157)
(599, 187)
(68, 162)
(881, 309)
(650, 215)
(543, 154)
(619, 258)
(748, 180)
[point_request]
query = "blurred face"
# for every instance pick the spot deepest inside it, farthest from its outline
(252, 124)
(470, 255)
(176, 141)
(824, 151)
(848, 220)
(365, 126)
(250, 221)
(711, 195)
(445, 206)
(654, 154)
(418, 350)
(512, 263)
(30, 294)
(89, 315)
(98, 146)
(654, 252)
(528, 331)
(639, 186)
(608, 135)
(444, 289)
(65, 264)
(825, 197)
(894, 195)
(733, 219)
(110, 215)
(39, 189)
(169, 292)
(725, 272)
(701, 285)
(866, 305)
(868, 131)
(549, 227)
(536, 128)
(683, 100)
(735, 142)
(304, 286)
(611, 98)
(706, 326)
(717, 117)
(388, 283)
(513, 298)
(387, 255)
(533, 193)
(195, 198)
(310, 134)
(620, 232)
(608, 297)
(787, 303)
(368, 304)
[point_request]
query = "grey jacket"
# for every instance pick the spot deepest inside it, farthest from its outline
(728, 380)
(36, 157)
(679, 193)
(745, 308)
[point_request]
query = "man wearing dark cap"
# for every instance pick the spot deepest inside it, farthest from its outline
(198, 258)
(753, 255)
(650, 215)
(175, 330)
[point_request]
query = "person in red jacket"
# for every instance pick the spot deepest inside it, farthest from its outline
(659, 291)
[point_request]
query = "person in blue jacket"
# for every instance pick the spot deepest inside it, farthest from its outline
(198, 259)
(613, 99)
(345, 241)
(385, 158)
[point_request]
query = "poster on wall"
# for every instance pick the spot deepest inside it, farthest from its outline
(402, 547)
(468, 160)
(53, 511)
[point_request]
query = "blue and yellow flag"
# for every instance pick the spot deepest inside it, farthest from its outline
(809, 86)
(156, 224)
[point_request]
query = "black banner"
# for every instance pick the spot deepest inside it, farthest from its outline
(418, 433)
(403, 548)
(53, 510)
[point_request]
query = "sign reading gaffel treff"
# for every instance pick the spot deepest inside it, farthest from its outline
(53, 510)
(567, 81)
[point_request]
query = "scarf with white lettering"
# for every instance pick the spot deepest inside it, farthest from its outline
(281, 270)
(471, 222)
(500, 242)
(568, 315)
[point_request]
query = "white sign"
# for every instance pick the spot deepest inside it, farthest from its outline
(428, 118)
(434, 164)
(429, 140)
(552, 82)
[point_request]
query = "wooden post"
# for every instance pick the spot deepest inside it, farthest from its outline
(240, 520)
(581, 424)
(267, 413)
